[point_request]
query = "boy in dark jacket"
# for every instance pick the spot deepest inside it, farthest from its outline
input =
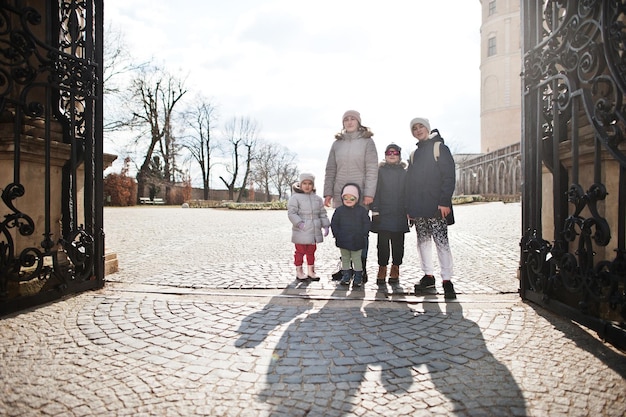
(430, 182)
(350, 225)
(389, 215)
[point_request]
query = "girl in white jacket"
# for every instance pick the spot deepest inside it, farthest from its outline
(308, 217)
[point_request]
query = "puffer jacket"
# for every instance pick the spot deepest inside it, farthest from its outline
(351, 160)
(307, 208)
(388, 208)
(429, 182)
(350, 226)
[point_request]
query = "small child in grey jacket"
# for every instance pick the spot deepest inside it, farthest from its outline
(308, 217)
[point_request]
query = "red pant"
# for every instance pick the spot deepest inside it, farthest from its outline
(301, 251)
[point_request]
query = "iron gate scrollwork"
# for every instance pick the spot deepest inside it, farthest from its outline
(51, 230)
(573, 254)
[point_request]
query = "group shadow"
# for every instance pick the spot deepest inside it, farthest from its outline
(354, 357)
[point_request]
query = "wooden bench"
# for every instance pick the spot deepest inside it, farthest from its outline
(145, 200)
(158, 201)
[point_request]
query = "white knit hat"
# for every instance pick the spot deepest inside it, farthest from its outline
(421, 120)
(306, 176)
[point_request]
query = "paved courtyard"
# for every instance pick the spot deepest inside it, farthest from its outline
(205, 318)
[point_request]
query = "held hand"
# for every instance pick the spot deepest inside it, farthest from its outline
(327, 200)
(326, 230)
(301, 225)
(368, 200)
(444, 211)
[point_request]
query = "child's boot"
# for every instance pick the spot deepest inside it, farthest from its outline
(382, 275)
(337, 275)
(345, 277)
(312, 275)
(394, 275)
(300, 273)
(358, 278)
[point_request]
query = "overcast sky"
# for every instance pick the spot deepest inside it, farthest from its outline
(294, 66)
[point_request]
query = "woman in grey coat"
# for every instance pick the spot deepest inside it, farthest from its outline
(308, 217)
(352, 159)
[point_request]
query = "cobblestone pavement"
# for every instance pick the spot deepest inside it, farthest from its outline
(205, 318)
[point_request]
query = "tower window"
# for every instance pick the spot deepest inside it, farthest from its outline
(492, 7)
(491, 47)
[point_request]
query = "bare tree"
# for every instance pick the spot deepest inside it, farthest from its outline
(287, 173)
(201, 119)
(241, 137)
(156, 93)
(118, 69)
(274, 168)
(263, 167)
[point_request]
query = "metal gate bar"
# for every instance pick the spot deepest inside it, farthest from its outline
(51, 95)
(573, 141)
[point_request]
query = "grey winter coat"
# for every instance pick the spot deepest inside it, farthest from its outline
(351, 160)
(307, 208)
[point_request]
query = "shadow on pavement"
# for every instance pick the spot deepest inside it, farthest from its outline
(572, 331)
(354, 357)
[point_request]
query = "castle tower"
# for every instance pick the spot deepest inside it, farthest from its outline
(500, 67)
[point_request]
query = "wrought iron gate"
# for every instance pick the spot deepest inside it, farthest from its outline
(573, 254)
(51, 229)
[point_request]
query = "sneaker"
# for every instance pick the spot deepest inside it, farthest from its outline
(448, 290)
(427, 282)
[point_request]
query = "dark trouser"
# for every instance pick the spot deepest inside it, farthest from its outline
(395, 240)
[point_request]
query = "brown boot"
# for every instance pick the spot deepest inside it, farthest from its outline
(394, 275)
(382, 275)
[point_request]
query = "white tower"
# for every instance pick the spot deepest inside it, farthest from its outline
(500, 68)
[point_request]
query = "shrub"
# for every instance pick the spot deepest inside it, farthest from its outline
(120, 189)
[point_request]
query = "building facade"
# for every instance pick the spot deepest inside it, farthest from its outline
(500, 67)
(497, 171)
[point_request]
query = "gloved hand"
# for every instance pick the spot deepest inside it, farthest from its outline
(301, 225)
(326, 230)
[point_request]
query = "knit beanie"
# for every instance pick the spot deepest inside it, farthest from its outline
(352, 113)
(393, 146)
(307, 176)
(421, 120)
(350, 189)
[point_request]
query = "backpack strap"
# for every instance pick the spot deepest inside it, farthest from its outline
(436, 152)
